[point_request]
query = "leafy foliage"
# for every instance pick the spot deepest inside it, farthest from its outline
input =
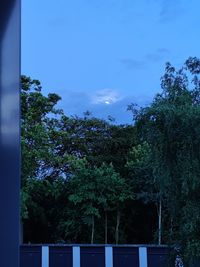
(87, 180)
(171, 126)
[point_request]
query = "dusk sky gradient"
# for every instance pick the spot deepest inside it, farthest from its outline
(101, 55)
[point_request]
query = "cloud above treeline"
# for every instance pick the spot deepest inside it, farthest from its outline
(135, 64)
(105, 96)
(102, 104)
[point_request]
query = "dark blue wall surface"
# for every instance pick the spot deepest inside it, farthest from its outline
(93, 256)
(60, 256)
(31, 256)
(125, 256)
(158, 257)
(9, 131)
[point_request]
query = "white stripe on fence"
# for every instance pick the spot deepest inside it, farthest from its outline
(45, 256)
(143, 256)
(109, 256)
(76, 257)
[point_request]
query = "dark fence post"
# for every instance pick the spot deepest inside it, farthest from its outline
(9, 132)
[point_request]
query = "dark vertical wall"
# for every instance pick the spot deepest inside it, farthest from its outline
(31, 256)
(60, 256)
(125, 256)
(92, 256)
(158, 257)
(9, 132)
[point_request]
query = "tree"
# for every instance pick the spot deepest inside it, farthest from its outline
(48, 139)
(142, 182)
(37, 111)
(171, 126)
(95, 139)
(86, 193)
(45, 208)
(115, 193)
(97, 188)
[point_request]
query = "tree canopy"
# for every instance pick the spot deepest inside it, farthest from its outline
(87, 180)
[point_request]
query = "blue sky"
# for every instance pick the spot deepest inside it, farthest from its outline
(101, 55)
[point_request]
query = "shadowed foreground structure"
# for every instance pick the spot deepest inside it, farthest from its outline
(9, 132)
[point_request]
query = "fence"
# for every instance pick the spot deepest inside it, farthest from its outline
(93, 255)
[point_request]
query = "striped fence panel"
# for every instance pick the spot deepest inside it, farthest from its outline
(95, 255)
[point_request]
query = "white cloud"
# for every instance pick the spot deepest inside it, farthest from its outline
(105, 96)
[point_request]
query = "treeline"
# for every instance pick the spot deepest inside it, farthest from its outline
(87, 180)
